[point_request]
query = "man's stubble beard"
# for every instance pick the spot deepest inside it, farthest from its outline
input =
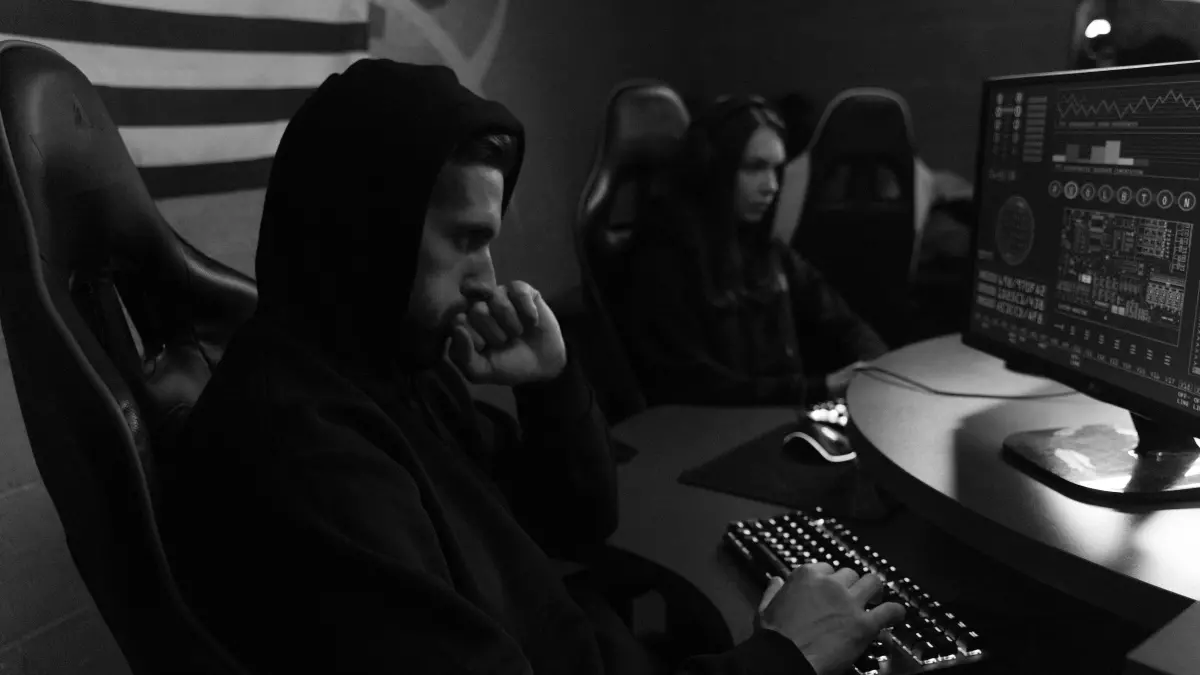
(428, 339)
(422, 346)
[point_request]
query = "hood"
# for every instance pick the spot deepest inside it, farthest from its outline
(345, 205)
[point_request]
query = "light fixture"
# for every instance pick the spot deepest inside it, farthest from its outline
(1097, 28)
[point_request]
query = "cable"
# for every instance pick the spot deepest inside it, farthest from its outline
(958, 394)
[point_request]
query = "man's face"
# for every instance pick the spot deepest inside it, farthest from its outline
(757, 177)
(454, 265)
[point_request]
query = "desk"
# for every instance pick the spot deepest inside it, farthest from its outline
(941, 457)
(680, 527)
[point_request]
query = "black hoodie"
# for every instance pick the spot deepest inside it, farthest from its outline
(329, 511)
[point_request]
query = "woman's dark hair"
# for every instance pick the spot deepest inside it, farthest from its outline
(702, 195)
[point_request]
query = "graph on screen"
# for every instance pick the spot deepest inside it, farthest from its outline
(1149, 130)
(1132, 106)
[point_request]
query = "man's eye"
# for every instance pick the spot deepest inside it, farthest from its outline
(469, 242)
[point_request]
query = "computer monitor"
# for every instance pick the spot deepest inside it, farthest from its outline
(1087, 266)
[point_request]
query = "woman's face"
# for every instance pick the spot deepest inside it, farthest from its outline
(757, 176)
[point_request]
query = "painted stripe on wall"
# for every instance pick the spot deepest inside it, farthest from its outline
(198, 179)
(200, 90)
(164, 107)
(116, 66)
(75, 21)
(153, 147)
(325, 11)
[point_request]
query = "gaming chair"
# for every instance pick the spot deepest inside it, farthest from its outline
(82, 247)
(644, 122)
(854, 203)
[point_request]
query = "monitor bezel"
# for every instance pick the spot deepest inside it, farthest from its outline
(1023, 361)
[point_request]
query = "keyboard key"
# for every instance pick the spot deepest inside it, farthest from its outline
(970, 642)
(925, 651)
(904, 633)
(945, 645)
(884, 597)
(955, 627)
(925, 626)
(766, 560)
(866, 665)
(878, 650)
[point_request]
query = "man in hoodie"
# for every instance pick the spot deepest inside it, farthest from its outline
(337, 506)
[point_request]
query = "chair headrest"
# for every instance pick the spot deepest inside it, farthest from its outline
(643, 125)
(85, 197)
(865, 120)
(644, 122)
(98, 246)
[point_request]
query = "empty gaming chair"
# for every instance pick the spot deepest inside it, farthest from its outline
(854, 203)
(83, 244)
(643, 124)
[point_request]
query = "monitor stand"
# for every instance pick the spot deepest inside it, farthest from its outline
(1153, 462)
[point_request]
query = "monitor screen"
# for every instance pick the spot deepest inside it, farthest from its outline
(1088, 185)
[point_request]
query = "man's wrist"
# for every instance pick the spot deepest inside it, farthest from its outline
(770, 652)
(566, 393)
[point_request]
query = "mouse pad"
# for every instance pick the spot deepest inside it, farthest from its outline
(762, 471)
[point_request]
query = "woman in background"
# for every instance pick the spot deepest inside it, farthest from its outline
(719, 313)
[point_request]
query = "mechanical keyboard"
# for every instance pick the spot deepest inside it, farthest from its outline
(930, 637)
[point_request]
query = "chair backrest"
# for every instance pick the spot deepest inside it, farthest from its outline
(83, 245)
(643, 125)
(800, 116)
(859, 216)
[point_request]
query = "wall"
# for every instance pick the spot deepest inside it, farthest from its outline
(1136, 21)
(554, 66)
(933, 52)
(555, 69)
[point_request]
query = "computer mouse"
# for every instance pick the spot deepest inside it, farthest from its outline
(818, 443)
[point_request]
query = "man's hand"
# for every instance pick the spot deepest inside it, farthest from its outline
(511, 339)
(839, 381)
(824, 614)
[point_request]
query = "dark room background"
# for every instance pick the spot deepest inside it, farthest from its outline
(557, 62)
(554, 63)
